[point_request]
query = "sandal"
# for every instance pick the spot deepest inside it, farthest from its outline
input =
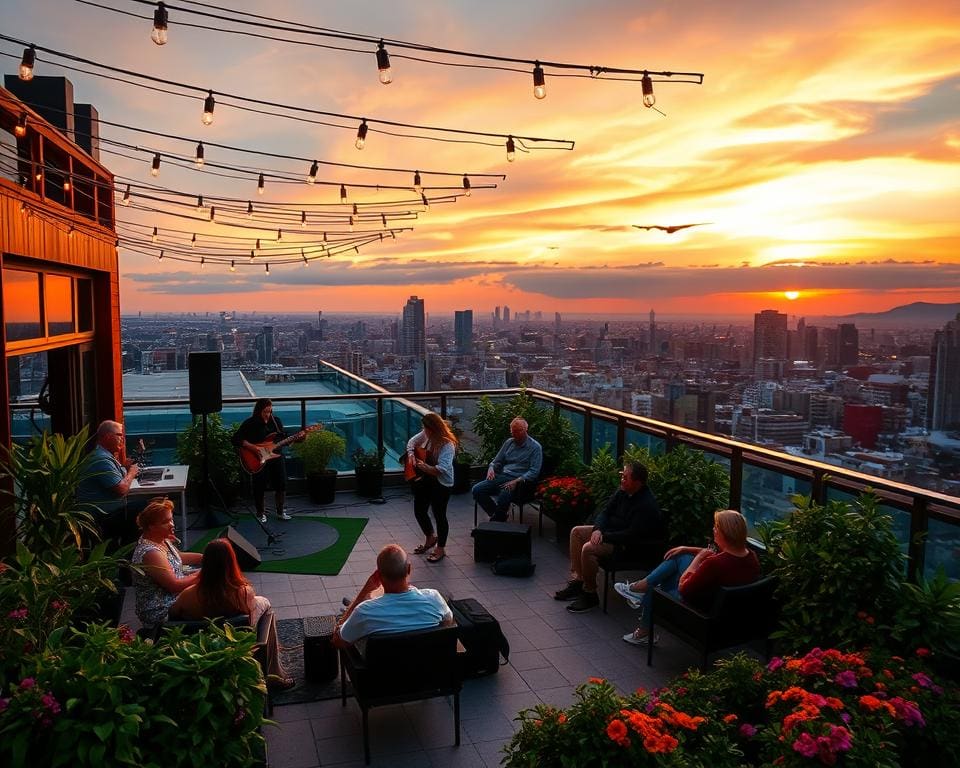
(436, 557)
(278, 683)
(422, 549)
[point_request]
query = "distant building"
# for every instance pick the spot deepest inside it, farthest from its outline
(265, 346)
(863, 423)
(463, 331)
(413, 335)
(943, 410)
(848, 344)
(769, 336)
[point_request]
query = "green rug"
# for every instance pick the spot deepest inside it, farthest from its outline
(325, 562)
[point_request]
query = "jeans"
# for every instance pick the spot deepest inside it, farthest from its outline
(427, 493)
(493, 499)
(666, 576)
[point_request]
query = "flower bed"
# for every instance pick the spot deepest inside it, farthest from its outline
(824, 708)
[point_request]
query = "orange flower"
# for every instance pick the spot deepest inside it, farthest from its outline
(617, 732)
(596, 681)
(561, 718)
(729, 719)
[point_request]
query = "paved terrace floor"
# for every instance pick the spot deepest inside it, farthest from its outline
(551, 650)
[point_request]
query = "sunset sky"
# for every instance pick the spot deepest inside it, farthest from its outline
(821, 153)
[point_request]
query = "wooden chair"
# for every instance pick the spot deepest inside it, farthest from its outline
(644, 559)
(738, 615)
(401, 667)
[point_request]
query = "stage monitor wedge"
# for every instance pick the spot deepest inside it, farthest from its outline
(206, 389)
(247, 556)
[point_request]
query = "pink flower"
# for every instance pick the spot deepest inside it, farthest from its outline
(907, 711)
(20, 613)
(806, 745)
(774, 664)
(27, 683)
(840, 740)
(4, 703)
(846, 679)
(748, 731)
(921, 652)
(127, 635)
(59, 605)
(50, 703)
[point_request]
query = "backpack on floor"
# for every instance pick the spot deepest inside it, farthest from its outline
(481, 636)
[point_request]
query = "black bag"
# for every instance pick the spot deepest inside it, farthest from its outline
(513, 566)
(480, 634)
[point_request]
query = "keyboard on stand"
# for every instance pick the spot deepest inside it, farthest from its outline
(150, 475)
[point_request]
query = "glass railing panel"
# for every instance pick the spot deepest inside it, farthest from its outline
(767, 493)
(354, 420)
(900, 518)
(640, 439)
(604, 433)
(942, 549)
(576, 421)
(461, 411)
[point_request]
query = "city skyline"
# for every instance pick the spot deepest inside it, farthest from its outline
(826, 164)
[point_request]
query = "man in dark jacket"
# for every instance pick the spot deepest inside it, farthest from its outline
(630, 518)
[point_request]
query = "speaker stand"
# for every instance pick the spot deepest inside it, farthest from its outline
(272, 537)
(211, 518)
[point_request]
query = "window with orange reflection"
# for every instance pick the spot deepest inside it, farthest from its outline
(59, 304)
(21, 304)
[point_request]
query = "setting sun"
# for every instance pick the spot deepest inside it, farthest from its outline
(792, 295)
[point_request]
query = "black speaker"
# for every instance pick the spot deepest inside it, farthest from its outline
(247, 555)
(206, 391)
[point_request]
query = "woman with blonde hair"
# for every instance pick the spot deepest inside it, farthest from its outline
(162, 577)
(431, 452)
(696, 573)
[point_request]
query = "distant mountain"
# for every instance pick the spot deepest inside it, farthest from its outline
(917, 313)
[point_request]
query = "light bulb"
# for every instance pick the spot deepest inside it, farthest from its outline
(324, 237)
(511, 150)
(249, 210)
(66, 184)
(426, 203)
(213, 212)
(356, 212)
(268, 267)
(343, 193)
(383, 218)
(303, 219)
(646, 85)
(260, 183)
(160, 257)
(304, 257)
(125, 200)
(539, 82)
(154, 236)
(159, 32)
(193, 240)
(208, 104)
(312, 176)
(233, 267)
(279, 235)
(256, 248)
(199, 203)
(351, 222)
(202, 262)
(417, 186)
(27, 62)
(466, 185)
(383, 65)
(155, 165)
(198, 160)
(252, 256)
(21, 128)
(361, 135)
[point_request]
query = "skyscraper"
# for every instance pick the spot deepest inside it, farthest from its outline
(848, 344)
(943, 407)
(463, 331)
(652, 340)
(769, 335)
(506, 314)
(413, 336)
(265, 351)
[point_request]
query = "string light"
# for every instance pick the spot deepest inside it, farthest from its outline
(312, 176)
(466, 185)
(361, 135)
(303, 219)
(27, 62)
(383, 64)
(343, 193)
(160, 257)
(21, 128)
(154, 235)
(159, 32)
(199, 203)
(539, 82)
(279, 235)
(351, 222)
(426, 203)
(304, 257)
(646, 85)
(249, 209)
(202, 262)
(417, 186)
(511, 150)
(233, 267)
(260, 183)
(198, 160)
(383, 218)
(66, 184)
(268, 267)
(355, 210)
(125, 200)
(155, 166)
(256, 248)
(251, 256)
(208, 104)
(213, 212)
(193, 240)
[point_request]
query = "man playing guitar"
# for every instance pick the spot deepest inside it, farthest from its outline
(263, 427)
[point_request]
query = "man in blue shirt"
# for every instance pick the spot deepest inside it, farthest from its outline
(518, 461)
(106, 482)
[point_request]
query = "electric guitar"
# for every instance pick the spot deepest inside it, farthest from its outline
(254, 459)
(410, 471)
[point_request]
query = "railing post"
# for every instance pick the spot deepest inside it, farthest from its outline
(303, 413)
(736, 478)
(621, 438)
(443, 407)
(818, 488)
(919, 527)
(380, 424)
(587, 436)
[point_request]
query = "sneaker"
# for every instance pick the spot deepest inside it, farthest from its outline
(634, 639)
(586, 601)
(633, 598)
(262, 518)
(573, 589)
(284, 516)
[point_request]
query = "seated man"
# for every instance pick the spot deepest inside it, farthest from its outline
(518, 461)
(106, 482)
(399, 607)
(630, 517)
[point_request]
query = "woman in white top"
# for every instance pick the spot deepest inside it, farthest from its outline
(431, 452)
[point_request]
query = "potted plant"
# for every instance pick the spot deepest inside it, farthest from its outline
(316, 451)
(566, 501)
(463, 461)
(222, 462)
(368, 468)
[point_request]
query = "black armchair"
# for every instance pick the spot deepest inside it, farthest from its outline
(738, 615)
(643, 558)
(401, 667)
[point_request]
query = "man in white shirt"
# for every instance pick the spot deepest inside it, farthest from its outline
(399, 608)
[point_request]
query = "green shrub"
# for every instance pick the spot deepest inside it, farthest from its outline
(838, 569)
(928, 615)
(102, 697)
(222, 461)
(318, 448)
(601, 476)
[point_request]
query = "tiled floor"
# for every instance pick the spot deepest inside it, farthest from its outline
(552, 650)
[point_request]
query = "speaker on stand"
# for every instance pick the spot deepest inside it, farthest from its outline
(248, 558)
(206, 397)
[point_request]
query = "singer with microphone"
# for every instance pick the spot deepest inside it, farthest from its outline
(156, 553)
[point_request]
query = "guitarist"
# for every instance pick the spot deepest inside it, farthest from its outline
(260, 427)
(430, 452)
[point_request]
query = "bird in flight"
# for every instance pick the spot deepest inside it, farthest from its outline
(671, 229)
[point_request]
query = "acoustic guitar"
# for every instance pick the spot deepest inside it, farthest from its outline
(410, 471)
(254, 459)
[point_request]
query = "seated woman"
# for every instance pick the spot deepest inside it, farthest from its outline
(163, 577)
(222, 590)
(695, 574)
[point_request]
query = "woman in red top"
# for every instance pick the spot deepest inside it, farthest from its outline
(696, 573)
